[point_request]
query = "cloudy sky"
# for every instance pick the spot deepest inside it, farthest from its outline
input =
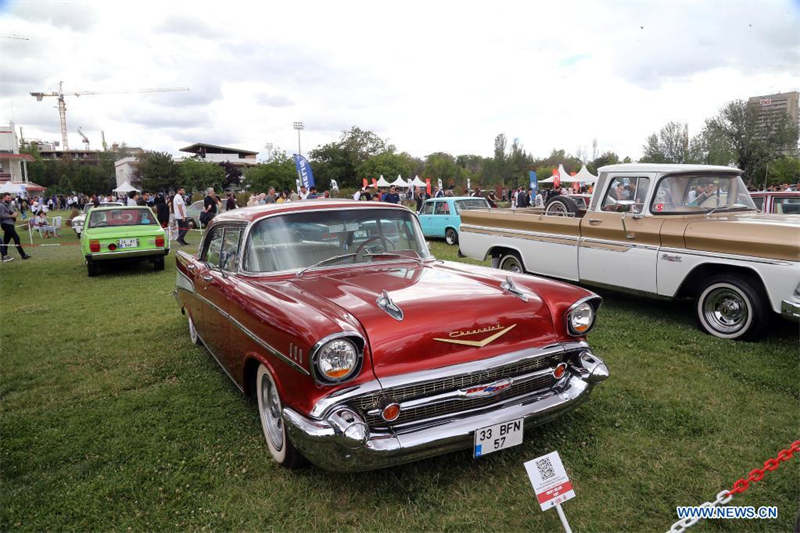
(429, 76)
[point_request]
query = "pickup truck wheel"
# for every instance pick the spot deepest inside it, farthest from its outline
(270, 412)
(561, 206)
(511, 262)
(731, 307)
(451, 237)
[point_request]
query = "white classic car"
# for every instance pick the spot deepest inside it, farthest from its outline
(79, 221)
(669, 231)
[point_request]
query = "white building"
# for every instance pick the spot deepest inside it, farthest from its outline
(125, 170)
(13, 165)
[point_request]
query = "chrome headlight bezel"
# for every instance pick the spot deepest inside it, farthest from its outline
(317, 352)
(590, 304)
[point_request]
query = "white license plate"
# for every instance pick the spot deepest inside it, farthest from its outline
(498, 437)
(128, 243)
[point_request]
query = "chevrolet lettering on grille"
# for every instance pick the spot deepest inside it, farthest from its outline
(485, 391)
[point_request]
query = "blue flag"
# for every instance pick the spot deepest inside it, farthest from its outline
(304, 171)
(534, 182)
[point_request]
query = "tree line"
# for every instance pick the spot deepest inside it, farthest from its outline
(734, 136)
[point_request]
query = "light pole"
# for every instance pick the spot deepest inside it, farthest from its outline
(298, 126)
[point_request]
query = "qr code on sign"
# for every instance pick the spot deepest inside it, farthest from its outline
(545, 468)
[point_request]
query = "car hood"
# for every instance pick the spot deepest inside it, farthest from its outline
(440, 305)
(761, 235)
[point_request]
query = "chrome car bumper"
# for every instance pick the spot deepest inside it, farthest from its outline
(322, 441)
(791, 309)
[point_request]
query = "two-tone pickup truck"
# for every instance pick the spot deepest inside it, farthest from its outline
(674, 231)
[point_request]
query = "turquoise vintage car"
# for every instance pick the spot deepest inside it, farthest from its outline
(441, 217)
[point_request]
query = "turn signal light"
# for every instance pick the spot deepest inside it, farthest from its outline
(391, 412)
(560, 370)
(112, 246)
(94, 246)
(160, 242)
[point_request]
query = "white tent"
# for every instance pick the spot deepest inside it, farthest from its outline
(126, 188)
(416, 182)
(400, 182)
(564, 175)
(584, 176)
(12, 187)
(382, 182)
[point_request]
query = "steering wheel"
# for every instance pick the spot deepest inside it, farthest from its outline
(386, 244)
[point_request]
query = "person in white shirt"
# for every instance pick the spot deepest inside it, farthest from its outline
(357, 195)
(179, 211)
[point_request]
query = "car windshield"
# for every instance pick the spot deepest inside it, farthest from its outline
(121, 217)
(700, 194)
(297, 241)
(472, 203)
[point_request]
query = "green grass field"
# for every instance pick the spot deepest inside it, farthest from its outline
(111, 419)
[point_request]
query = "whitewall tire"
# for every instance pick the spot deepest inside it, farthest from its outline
(511, 263)
(270, 412)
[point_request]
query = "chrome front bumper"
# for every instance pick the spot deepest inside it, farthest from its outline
(325, 446)
(791, 309)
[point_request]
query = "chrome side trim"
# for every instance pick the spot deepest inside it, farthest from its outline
(182, 281)
(520, 232)
(258, 340)
(340, 396)
(626, 244)
(732, 257)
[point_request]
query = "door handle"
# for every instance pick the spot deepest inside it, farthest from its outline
(595, 221)
(190, 266)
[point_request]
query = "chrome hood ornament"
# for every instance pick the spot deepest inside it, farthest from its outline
(508, 286)
(385, 302)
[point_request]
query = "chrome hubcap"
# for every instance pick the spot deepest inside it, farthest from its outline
(271, 413)
(511, 264)
(556, 208)
(726, 310)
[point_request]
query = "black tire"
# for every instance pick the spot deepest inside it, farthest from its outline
(158, 264)
(270, 413)
(91, 268)
(511, 262)
(451, 236)
(732, 306)
(561, 206)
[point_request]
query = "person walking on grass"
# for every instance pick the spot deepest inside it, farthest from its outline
(179, 212)
(8, 215)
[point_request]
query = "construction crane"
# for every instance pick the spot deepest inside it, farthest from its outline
(62, 106)
(85, 138)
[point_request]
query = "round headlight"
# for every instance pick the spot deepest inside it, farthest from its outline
(337, 360)
(580, 318)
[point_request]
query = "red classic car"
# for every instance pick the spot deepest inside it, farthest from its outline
(777, 202)
(364, 351)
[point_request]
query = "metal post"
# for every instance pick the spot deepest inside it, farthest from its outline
(298, 126)
(563, 518)
(766, 174)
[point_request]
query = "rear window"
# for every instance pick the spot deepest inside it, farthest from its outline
(121, 217)
(473, 203)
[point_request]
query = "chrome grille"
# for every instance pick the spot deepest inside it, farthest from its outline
(426, 389)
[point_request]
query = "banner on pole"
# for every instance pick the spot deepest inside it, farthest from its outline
(533, 181)
(428, 186)
(304, 171)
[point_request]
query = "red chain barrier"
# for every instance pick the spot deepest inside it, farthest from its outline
(757, 474)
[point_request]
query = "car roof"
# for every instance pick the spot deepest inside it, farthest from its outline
(665, 168)
(775, 193)
(249, 214)
(456, 198)
(113, 207)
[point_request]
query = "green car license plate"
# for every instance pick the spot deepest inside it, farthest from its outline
(128, 243)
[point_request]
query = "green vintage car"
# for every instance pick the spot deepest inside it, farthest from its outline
(123, 233)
